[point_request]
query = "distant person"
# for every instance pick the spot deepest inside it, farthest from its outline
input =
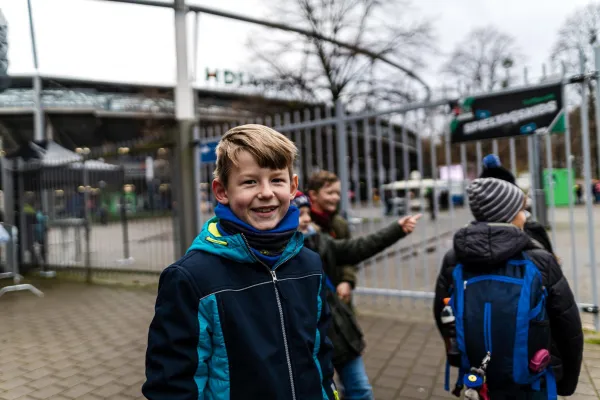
(444, 202)
(388, 199)
(431, 202)
(492, 168)
(41, 235)
(578, 193)
(103, 212)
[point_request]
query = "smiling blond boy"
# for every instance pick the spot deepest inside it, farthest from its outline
(243, 315)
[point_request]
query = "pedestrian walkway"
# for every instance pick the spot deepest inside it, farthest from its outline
(88, 342)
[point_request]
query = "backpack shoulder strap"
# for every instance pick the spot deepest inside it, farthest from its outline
(458, 306)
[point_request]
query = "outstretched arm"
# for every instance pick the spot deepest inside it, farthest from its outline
(353, 251)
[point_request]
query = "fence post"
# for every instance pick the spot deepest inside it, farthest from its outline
(570, 182)
(123, 215)
(597, 104)
(538, 178)
(38, 128)
(587, 172)
(87, 223)
(185, 192)
(342, 153)
(197, 176)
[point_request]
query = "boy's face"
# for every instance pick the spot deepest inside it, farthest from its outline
(520, 219)
(305, 219)
(258, 196)
(327, 198)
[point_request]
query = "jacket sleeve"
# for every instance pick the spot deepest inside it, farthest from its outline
(442, 289)
(356, 250)
(342, 231)
(325, 353)
(174, 349)
(565, 325)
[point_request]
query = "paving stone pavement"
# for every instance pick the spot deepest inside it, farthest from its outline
(88, 342)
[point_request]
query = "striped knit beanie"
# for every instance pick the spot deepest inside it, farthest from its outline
(494, 200)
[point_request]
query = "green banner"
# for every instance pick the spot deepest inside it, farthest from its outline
(515, 112)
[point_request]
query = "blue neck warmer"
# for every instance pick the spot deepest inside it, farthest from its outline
(266, 245)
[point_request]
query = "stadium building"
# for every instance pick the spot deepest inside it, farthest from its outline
(127, 123)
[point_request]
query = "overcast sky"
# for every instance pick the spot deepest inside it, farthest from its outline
(107, 41)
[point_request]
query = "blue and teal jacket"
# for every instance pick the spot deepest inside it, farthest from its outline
(227, 326)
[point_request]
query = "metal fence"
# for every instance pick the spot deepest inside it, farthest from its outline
(389, 161)
(110, 210)
(376, 156)
(94, 211)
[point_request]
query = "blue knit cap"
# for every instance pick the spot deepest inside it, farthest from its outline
(301, 200)
(491, 161)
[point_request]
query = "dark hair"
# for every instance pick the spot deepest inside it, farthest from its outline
(498, 173)
(319, 180)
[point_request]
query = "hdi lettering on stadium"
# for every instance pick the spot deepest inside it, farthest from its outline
(231, 78)
(507, 113)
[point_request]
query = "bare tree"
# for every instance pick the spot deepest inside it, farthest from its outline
(319, 70)
(579, 32)
(482, 60)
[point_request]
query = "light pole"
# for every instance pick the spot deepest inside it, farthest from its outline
(3, 52)
(186, 194)
(38, 128)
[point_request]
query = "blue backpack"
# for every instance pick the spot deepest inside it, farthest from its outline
(501, 314)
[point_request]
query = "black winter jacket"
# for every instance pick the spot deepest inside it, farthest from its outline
(486, 246)
(536, 231)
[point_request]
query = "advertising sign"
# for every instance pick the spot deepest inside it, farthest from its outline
(508, 113)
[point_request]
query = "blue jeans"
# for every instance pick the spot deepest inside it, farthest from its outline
(355, 381)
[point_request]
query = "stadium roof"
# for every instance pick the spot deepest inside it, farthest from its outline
(205, 96)
(91, 112)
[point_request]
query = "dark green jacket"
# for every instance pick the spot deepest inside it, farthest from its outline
(345, 334)
(341, 229)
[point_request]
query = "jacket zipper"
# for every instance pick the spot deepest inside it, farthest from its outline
(285, 342)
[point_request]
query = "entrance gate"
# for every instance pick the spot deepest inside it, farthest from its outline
(397, 161)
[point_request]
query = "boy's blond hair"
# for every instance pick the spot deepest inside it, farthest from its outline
(269, 148)
(319, 180)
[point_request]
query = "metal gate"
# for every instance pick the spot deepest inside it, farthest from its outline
(397, 161)
(101, 211)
